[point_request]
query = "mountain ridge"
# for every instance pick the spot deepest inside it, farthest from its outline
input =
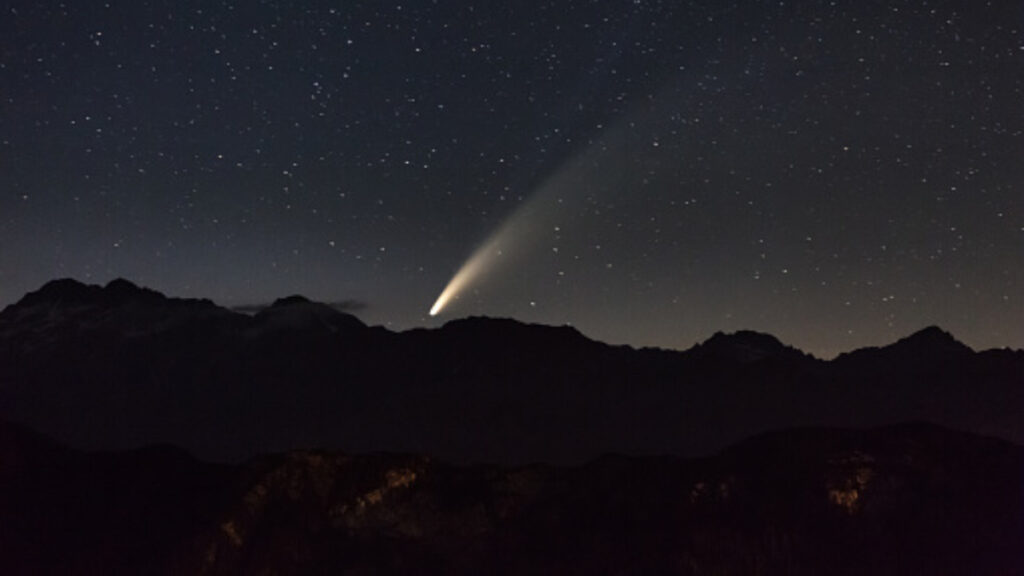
(120, 291)
(119, 366)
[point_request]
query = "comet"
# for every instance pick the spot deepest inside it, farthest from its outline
(484, 258)
(603, 162)
(526, 226)
(473, 267)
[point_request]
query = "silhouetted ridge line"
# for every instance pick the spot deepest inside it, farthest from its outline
(120, 291)
(125, 365)
(117, 292)
(932, 338)
(290, 301)
(64, 290)
(299, 313)
(487, 326)
(743, 346)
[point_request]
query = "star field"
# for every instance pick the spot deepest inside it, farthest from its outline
(837, 173)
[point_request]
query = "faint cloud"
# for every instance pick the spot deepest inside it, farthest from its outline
(347, 305)
(351, 305)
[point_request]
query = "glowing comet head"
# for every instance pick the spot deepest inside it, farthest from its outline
(473, 267)
(437, 307)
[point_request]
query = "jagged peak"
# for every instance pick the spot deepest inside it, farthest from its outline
(746, 338)
(290, 301)
(299, 312)
(932, 338)
(64, 284)
(931, 334)
(67, 294)
(121, 284)
(62, 290)
(120, 290)
(742, 346)
(71, 291)
(930, 342)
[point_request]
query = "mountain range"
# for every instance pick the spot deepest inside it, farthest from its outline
(120, 367)
(488, 446)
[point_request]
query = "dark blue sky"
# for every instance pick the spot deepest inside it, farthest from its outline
(837, 173)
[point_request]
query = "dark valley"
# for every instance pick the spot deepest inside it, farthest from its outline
(909, 499)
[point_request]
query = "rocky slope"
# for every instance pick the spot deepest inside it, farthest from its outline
(909, 499)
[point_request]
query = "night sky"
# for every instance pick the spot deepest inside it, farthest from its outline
(837, 173)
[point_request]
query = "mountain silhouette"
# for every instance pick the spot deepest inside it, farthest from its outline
(927, 345)
(300, 314)
(121, 366)
(743, 347)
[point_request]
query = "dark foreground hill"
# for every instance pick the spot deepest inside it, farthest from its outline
(120, 366)
(909, 499)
